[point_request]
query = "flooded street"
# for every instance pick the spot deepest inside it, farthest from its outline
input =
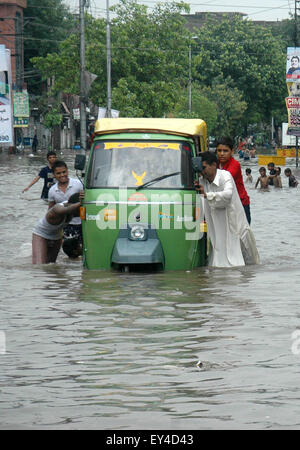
(208, 349)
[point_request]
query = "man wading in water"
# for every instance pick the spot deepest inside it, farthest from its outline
(47, 233)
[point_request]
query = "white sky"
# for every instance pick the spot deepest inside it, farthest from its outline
(256, 9)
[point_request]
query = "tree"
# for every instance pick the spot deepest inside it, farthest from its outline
(52, 119)
(251, 57)
(203, 107)
(46, 24)
(149, 58)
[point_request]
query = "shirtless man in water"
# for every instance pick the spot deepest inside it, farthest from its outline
(47, 233)
(263, 179)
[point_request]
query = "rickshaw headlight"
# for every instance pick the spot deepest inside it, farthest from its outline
(137, 233)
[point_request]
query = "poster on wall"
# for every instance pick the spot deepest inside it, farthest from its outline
(6, 128)
(293, 109)
(293, 64)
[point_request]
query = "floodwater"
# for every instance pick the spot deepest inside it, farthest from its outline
(207, 349)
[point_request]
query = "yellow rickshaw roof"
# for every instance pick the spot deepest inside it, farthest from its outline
(181, 127)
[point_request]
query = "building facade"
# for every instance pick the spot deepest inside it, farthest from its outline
(11, 35)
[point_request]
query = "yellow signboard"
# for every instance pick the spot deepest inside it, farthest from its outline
(160, 145)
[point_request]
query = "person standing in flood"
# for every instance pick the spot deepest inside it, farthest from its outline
(47, 174)
(232, 241)
(226, 161)
(292, 179)
(61, 192)
(34, 143)
(47, 233)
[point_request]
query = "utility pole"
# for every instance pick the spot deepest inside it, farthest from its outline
(108, 60)
(83, 98)
(190, 75)
(190, 78)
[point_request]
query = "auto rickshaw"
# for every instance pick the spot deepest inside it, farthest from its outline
(140, 208)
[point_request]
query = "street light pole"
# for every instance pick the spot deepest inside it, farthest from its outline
(190, 78)
(83, 139)
(108, 60)
(190, 75)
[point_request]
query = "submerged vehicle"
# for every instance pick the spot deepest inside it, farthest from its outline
(140, 208)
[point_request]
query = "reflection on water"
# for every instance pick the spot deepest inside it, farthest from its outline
(205, 349)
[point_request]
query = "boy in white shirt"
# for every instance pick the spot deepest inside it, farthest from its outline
(61, 192)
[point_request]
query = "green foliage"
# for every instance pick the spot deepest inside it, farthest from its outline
(202, 107)
(251, 57)
(52, 118)
(238, 67)
(149, 59)
(46, 24)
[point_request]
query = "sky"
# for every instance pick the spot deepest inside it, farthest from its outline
(256, 9)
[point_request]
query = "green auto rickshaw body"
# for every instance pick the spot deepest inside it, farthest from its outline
(140, 208)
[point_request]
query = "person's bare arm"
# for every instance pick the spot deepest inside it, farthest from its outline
(56, 214)
(50, 204)
(35, 180)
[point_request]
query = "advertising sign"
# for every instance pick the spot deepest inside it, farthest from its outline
(293, 109)
(6, 130)
(21, 104)
(293, 64)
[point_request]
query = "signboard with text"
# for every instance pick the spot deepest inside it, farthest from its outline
(6, 130)
(21, 104)
(293, 109)
(293, 64)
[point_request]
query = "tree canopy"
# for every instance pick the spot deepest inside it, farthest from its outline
(238, 67)
(46, 25)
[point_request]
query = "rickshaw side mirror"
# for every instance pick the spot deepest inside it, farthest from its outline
(79, 162)
(197, 163)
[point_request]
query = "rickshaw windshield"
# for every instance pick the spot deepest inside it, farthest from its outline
(134, 163)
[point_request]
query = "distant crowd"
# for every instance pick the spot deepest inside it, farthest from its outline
(273, 178)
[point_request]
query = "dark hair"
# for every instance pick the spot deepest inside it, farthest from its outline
(248, 170)
(295, 57)
(271, 164)
(262, 168)
(58, 164)
(74, 198)
(209, 157)
(71, 247)
(225, 140)
(51, 153)
(287, 170)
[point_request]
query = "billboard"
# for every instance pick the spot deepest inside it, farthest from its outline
(6, 129)
(293, 109)
(21, 109)
(293, 64)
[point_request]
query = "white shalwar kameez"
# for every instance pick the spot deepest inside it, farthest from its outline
(232, 241)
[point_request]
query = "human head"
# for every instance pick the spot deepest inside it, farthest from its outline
(72, 247)
(51, 157)
(248, 171)
(224, 148)
(288, 172)
(278, 170)
(60, 171)
(225, 140)
(59, 163)
(271, 165)
(295, 61)
(210, 161)
(74, 198)
(262, 170)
